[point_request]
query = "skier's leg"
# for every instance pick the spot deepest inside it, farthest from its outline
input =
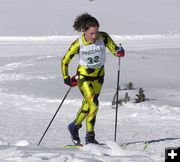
(76, 124)
(82, 113)
(93, 104)
(91, 117)
(84, 110)
(90, 90)
(89, 96)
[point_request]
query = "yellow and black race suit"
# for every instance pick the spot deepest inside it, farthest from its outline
(90, 79)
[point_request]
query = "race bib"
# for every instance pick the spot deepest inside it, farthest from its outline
(93, 55)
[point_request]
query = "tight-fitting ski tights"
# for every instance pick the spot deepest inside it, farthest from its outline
(90, 89)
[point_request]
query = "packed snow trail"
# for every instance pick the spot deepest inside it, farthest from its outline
(88, 153)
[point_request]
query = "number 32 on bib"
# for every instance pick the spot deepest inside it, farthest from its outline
(93, 55)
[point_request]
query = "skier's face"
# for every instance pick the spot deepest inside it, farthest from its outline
(91, 34)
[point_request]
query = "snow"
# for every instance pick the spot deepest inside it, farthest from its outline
(22, 143)
(32, 43)
(89, 153)
(32, 88)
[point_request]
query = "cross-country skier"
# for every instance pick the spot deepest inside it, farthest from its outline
(90, 47)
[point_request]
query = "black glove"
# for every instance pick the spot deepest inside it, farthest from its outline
(67, 81)
(71, 81)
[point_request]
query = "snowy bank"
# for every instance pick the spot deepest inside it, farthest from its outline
(110, 152)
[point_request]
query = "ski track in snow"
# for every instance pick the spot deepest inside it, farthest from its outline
(90, 153)
(31, 90)
(11, 67)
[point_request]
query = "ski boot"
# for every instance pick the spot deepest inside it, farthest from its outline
(90, 138)
(73, 129)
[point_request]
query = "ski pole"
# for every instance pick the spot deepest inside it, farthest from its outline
(117, 96)
(54, 116)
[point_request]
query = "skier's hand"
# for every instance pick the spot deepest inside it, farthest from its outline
(74, 81)
(120, 51)
(71, 81)
(67, 81)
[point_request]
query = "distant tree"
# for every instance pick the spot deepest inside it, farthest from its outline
(129, 86)
(120, 101)
(140, 96)
(126, 97)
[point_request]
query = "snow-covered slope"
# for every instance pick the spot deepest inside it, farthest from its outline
(31, 89)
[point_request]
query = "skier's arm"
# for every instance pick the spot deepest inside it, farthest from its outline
(109, 43)
(73, 49)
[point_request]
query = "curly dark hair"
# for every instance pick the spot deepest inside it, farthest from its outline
(84, 21)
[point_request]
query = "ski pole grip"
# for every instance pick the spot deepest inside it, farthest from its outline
(74, 81)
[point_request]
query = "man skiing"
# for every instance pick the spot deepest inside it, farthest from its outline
(91, 48)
